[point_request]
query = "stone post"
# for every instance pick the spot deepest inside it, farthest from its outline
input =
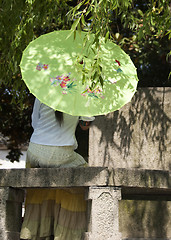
(104, 213)
(10, 213)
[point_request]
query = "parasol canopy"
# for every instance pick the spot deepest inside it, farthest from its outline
(53, 68)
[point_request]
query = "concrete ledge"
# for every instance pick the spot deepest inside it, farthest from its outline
(146, 239)
(90, 176)
(54, 177)
(142, 178)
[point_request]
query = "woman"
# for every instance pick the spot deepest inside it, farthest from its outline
(57, 214)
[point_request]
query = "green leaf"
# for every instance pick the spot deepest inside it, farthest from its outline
(169, 75)
(100, 68)
(74, 25)
(95, 75)
(79, 28)
(107, 36)
(101, 80)
(140, 13)
(83, 78)
(83, 20)
(74, 34)
(29, 1)
(140, 34)
(79, 5)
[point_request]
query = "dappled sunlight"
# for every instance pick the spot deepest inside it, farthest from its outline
(136, 136)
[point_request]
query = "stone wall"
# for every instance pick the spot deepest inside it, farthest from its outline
(145, 219)
(136, 136)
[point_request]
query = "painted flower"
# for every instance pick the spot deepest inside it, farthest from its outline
(89, 90)
(41, 66)
(66, 78)
(59, 78)
(63, 84)
(97, 90)
(119, 70)
(38, 68)
(45, 66)
(118, 62)
(96, 93)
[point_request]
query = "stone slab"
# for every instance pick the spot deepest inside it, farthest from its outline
(54, 177)
(90, 176)
(146, 238)
(140, 178)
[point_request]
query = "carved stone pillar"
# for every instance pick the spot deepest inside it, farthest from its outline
(103, 213)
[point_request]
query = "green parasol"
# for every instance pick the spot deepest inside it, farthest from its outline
(53, 66)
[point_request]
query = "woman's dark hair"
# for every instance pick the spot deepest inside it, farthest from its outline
(59, 116)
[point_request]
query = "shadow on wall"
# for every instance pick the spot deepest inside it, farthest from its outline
(144, 219)
(137, 134)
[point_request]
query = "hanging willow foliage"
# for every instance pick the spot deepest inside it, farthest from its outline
(98, 17)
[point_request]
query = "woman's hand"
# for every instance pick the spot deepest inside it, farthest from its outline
(84, 124)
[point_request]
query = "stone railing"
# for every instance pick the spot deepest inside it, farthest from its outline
(106, 189)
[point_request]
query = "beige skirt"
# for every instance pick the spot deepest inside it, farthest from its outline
(54, 214)
(53, 156)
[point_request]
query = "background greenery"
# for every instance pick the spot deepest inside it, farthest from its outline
(142, 28)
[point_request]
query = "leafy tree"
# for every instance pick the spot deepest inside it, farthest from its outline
(141, 28)
(21, 22)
